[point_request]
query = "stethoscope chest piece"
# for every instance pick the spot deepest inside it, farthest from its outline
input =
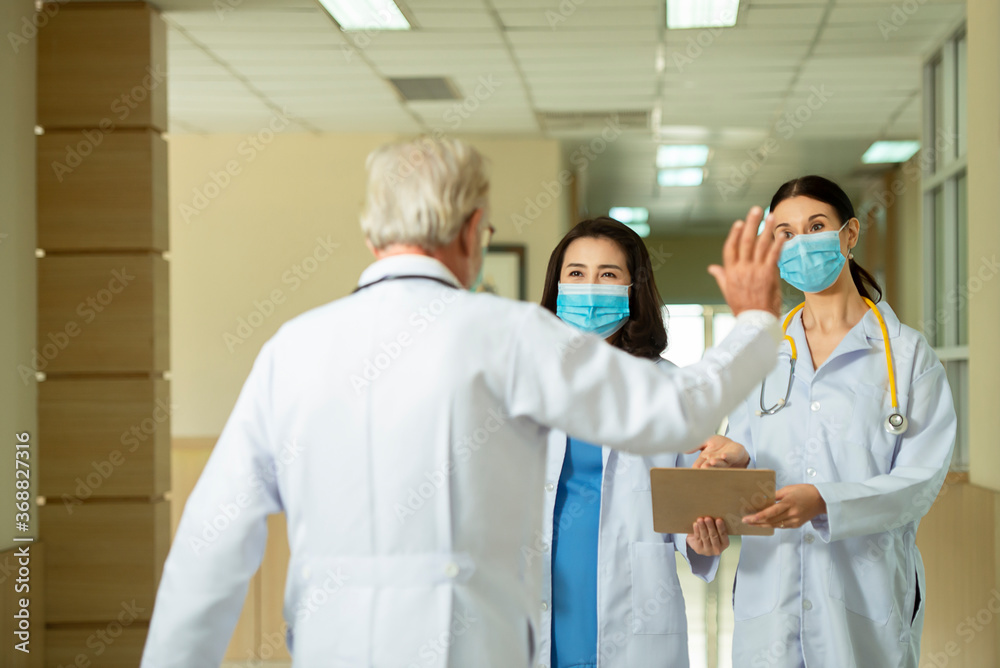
(896, 423)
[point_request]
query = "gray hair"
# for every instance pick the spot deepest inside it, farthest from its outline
(420, 192)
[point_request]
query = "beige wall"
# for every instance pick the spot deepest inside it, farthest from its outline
(17, 242)
(238, 241)
(909, 247)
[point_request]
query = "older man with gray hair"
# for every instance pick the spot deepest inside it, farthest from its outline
(402, 430)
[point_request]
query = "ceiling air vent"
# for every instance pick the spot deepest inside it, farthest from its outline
(425, 88)
(627, 119)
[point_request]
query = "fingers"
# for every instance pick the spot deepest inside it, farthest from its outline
(700, 447)
(765, 240)
(719, 274)
(720, 527)
(748, 234)
(767, 515)
(774, 252)
(731, 246)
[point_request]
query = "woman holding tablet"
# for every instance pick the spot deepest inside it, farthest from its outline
(610, 594)
(858, 423)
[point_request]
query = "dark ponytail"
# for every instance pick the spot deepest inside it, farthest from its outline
(828, 192)
(865, 282)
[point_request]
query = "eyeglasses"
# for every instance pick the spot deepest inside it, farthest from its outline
(488, 237)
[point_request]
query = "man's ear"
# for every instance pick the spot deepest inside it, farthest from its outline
(371, 247)
(469, 238)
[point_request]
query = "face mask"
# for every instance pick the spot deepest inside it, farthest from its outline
(479, 278)
(812, 262)
(596, 308)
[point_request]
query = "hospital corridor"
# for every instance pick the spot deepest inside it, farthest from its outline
(500, 333)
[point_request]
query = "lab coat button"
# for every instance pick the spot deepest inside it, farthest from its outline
(451, 570)
(810, 538)
(549, 487)
(811, 472)
(807, 604)
(306, 572)
(545, 606)
(814, 406)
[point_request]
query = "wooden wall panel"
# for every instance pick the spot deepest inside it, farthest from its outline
(103, 437)
(9, 597)
(273, 573)
(103, 313)
(102, 62)
(102, 556)
(956, 540)
(99, 191)
(111, 645)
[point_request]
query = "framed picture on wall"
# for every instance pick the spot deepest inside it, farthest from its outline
(505, 272)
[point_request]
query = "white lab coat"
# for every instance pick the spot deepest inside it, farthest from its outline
(841, 590)
(402, 431)
(641, 620)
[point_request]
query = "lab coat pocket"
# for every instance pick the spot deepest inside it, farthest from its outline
(758, 577)
(868, 446)
(862, 574)
(657, 601)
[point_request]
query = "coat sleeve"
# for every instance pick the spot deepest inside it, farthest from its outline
(577, 383)
(905, 494)
(221, 538)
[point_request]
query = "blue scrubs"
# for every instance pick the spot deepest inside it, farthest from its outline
(575, 524)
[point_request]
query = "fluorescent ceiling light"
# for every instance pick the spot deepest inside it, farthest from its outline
(635, 217)
(691, 176)
(629, 214)
(702, 13)
(890, 151)
(366, 14)
(695, 155)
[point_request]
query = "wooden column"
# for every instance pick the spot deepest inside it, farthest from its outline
(103, 318)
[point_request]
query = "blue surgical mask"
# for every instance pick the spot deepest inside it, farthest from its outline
(812, 262)
(600, 309)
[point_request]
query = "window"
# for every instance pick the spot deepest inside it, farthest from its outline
(946, 292)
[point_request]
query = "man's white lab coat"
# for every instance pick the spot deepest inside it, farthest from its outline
(402, 431)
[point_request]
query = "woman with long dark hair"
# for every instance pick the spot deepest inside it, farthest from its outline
(611, 596)
(857, 420)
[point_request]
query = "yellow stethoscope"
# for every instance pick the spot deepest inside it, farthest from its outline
(895, 423)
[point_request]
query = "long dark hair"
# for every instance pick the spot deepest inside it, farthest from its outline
(828, 192)
(644, 335)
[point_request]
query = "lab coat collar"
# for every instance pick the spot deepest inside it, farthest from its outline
(407, 265)
(860, 337)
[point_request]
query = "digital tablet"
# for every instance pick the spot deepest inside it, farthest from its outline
(681, 496)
